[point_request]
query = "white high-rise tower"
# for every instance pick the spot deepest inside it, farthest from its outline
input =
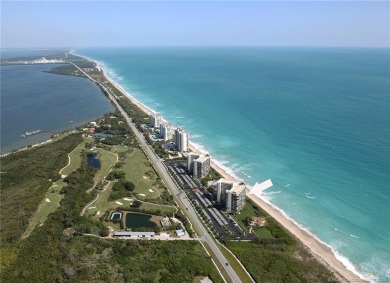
(181, 140)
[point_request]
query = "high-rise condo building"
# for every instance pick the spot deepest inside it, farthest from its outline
(155, 120)
(181, 140)
(232, 194)
(165, 131)
(198, 164)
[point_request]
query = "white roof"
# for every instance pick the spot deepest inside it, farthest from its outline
(129, 234)
(203, 158)
(238, 188)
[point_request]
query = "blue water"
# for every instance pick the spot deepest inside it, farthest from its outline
(314, 120)
(32, 99)
(93, 161)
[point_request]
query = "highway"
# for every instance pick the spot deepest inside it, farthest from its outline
(181, 197)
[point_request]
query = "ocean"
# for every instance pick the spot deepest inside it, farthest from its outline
(314, 120)
(34, 100)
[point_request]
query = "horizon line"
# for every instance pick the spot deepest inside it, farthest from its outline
(191, 46)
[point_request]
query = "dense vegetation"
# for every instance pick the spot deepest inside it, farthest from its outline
(27, 175)
(279, 260)
(121, 189)
(67, 69)
(90, 259)
(59, 252)
(274, 255)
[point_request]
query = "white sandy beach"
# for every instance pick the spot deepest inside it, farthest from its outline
(321, 251)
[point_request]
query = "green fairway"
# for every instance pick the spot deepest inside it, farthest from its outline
(101, 202)
(153, 207)
(120, 148)
(49, 204)
(139, 171)
(107, 161)
(75, 159)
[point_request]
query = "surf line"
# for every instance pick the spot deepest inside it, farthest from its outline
(351, 235)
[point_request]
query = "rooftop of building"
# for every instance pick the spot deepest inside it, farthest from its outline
(137, 234)
(227, 181)
(203, 158)
(238, 188)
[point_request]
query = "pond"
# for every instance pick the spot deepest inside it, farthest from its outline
(93, 161)
(136, 220)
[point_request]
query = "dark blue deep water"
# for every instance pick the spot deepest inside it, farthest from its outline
(93, 161)
(314, 120)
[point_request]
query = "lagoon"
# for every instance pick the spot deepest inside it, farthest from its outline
(32, 99)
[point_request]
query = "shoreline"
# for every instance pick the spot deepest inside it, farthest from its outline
(26, 147)
(321, 251)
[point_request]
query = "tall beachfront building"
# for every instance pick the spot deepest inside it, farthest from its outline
(232, 194)
(181, 140)
(198, 164)
(155, 120)
(165, 131)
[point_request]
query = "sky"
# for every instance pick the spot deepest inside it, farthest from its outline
(196, 23)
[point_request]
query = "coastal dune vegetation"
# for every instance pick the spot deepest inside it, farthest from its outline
(275, 255)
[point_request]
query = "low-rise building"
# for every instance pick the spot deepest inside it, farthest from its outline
(180, 232)
(135, 234)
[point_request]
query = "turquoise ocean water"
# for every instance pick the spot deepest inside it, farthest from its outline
(314, 120)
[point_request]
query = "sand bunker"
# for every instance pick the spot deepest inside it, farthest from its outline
(47, 200)
(118, 202)
(145, 177)
(98, 212)
(92, 207)
(128, 199)
(142, 195)
(150, 190)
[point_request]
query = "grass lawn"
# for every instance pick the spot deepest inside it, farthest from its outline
(248, 210)
(139, 171)
(119, 148)
(263, 233)
(153, 207)
(101, 203)
(75, 159)
(107, 160)
(45, 207)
